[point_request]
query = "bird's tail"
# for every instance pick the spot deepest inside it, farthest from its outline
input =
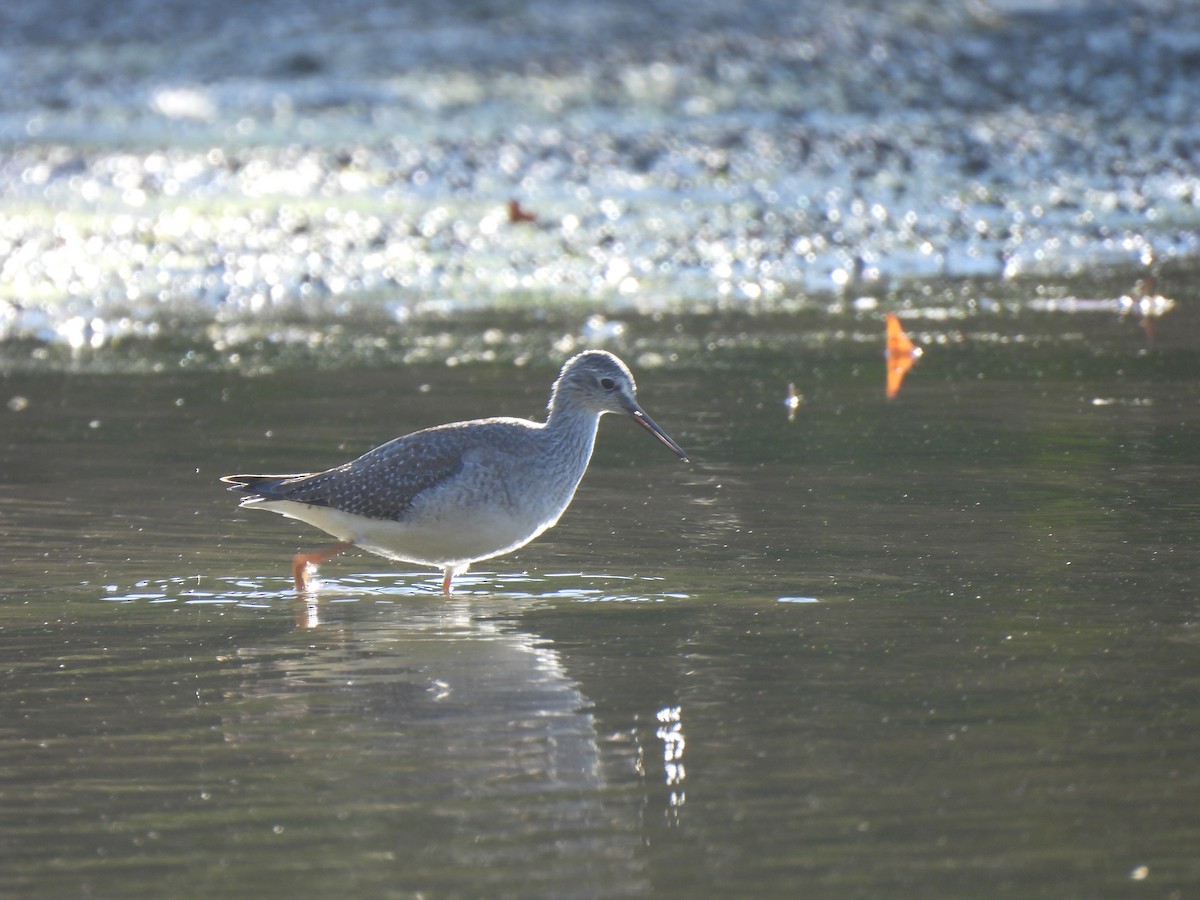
(259, 487)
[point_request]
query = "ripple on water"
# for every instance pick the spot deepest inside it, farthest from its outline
(267, 591)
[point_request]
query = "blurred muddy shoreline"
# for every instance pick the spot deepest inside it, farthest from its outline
(234, 174)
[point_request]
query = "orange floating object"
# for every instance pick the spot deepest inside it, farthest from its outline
(901, 354)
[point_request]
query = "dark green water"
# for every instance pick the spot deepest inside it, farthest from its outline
(946, 645)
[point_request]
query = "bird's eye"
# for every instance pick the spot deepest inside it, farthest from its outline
(607, 383)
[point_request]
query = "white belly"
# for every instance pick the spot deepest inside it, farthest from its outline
(452, 541)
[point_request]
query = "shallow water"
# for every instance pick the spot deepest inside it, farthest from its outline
(938, 645)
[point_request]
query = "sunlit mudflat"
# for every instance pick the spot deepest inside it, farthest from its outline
(164, 184)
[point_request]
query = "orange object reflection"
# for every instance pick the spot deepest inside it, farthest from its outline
(901, 354)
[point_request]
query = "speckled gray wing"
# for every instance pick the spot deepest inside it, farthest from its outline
(380, 484)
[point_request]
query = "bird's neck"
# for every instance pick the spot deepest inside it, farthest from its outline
(571, 433)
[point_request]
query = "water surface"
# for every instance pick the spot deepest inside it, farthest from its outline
(942, 645)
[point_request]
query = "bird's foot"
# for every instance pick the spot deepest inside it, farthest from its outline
(302, 561)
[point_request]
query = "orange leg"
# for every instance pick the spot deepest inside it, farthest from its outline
(301, 562)
(446, 583)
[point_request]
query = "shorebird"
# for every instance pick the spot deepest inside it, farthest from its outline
(453, 495)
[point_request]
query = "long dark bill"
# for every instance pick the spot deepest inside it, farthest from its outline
(646, 422)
